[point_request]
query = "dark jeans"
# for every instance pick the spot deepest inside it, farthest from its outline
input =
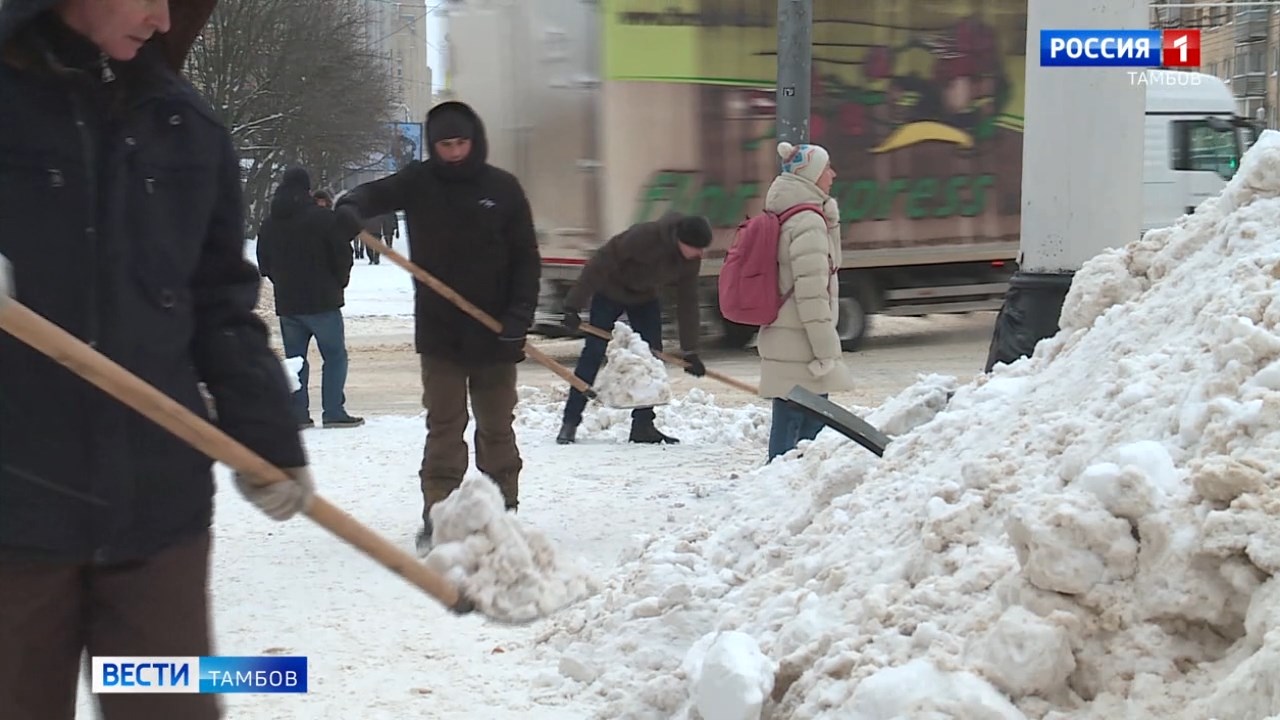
(327, 328)
(790, 426)
(50, 613)
(446, 387)
(645, 319)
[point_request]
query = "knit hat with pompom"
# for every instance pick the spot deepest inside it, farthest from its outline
(807, 161)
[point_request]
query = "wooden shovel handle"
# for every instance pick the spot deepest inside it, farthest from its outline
(681, 362)
(69, 351)
(480, 316)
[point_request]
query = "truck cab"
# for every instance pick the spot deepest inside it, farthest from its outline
(1194, 142)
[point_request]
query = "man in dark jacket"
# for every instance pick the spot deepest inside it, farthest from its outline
(133, 186)
(306, 255)
(625, 276)
(469, 225)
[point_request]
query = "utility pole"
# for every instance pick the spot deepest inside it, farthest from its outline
(1082, 150)
(795, 61)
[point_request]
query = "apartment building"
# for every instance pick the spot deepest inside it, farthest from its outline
(398, 31)
(1240, 43)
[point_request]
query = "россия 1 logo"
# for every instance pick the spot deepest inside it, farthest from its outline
(1120, 48)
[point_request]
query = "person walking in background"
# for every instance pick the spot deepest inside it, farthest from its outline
(390, 229)
(384, 227)
(471, 226)
(304, 251)
(625, 276)
(105, 517)
(802, 346)
(323, 199)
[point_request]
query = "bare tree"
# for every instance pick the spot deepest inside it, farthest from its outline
(296, 81)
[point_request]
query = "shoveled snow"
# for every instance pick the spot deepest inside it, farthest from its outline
(1088, 533)
(728, 675)
(511, 572)
(293, 372)
(632, 376)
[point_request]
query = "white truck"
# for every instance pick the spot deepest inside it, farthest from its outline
(614, 111)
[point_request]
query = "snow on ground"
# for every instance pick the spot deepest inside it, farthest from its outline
(381, 649)
(1089, 533)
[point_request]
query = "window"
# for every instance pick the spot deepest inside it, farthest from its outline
(1198, 147)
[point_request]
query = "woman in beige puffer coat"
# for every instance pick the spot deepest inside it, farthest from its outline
(802, 347)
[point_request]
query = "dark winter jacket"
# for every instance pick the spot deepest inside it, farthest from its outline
(304, 253)
(471, 227)
(121, 213)
(632, 268)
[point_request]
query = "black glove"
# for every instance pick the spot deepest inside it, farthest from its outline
(514, 330)
(695, 368)
(572, 320)
(349, 220)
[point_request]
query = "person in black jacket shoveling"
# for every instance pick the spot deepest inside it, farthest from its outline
(132, 186)
(470, 225)
(624, 276)
(304, 252)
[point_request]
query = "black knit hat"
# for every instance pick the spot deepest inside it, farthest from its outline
(694, 231)
(296, 177)
(449, 122)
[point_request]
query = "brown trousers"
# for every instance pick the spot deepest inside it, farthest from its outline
(50, 614)
(492, 389)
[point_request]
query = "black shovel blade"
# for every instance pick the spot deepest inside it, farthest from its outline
(839, 419)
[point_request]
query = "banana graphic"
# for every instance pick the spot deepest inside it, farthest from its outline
(923, 131)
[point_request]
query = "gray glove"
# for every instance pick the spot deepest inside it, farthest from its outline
(6, 280)
(279, 500)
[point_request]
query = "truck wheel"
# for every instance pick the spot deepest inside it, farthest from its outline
(853, 323)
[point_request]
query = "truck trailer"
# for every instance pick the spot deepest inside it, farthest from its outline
(615, 111)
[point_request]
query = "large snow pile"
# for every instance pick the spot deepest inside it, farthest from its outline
(509, 571)
(1088, 533)
(632, 376)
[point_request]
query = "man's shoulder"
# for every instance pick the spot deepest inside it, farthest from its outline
(180, 89)
(499, 179)
(317, 215)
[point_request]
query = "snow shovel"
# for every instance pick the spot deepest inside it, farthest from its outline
(69, 351)
(479, 315)
(679, 362)
(839, 419)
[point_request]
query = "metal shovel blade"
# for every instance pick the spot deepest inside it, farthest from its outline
(839, 419)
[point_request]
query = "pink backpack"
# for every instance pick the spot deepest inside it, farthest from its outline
(748, 291)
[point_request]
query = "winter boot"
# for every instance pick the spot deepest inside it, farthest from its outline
(568, 434)
(643, 431)
(349, 421)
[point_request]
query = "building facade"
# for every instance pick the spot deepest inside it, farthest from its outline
(398, 32)
(1239, 43)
